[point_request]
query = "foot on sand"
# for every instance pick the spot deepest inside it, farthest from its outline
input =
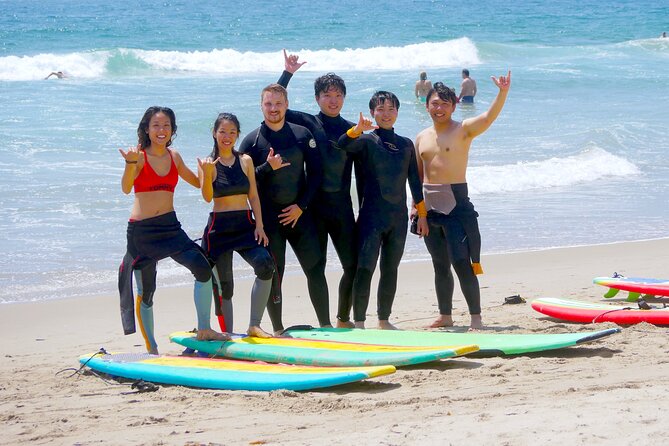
(345, 324)
(207, 334)
(444, 320)
(359, 324)
(477, 323)
(385, 325)
(256, 332)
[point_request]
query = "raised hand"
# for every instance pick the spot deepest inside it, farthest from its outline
(275, 160)
(291, 62)
(207, 165)
(504, 82)
(364, 124)
(132, 155)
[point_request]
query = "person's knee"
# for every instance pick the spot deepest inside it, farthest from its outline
(264, 270)
(201, 270)
(463, 268)
(147, 296)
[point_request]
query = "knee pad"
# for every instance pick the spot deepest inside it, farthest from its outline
(265, 269)
(202, 272)
(147, 297)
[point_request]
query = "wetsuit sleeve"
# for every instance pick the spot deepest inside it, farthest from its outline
(415, 185)
(314, 167)
(126, 294)
(248, 147)
(351, 145)
(284, 79)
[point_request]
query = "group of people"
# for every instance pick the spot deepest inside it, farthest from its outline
(467, 87)
(290, 182)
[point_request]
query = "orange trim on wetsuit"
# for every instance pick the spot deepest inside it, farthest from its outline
(149, 181)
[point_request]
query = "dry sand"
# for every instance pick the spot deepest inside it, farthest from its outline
(613, 391)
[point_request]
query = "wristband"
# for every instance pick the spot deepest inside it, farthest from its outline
(422, 211)
(130, 162)
(351, 133)
(477, 268)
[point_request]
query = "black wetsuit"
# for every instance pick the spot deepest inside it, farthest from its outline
(281, 188)
(455, 238)
(231, 231)
(388, 160)
(332, 208)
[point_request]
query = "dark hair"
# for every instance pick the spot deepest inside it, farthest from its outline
(380, 97)
(327, 81)
(444, 93)
(423, 75)
(143, 127)
(274, 88)
(465, 72)
(219, 119)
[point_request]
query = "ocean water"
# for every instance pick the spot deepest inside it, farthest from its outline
(579, 155)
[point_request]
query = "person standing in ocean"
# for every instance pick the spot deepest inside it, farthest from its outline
(154, 233)
(332, 207)
(422, 86)
(467, 88)
(228, 178)
(389, 161)
(288, 172)
(442, 151)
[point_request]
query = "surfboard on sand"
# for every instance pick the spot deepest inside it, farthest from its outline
(578, 311)
(635, 286)
(489, 343)
(226, 373)
(321, 353)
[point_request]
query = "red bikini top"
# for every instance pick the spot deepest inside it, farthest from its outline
(149, 181)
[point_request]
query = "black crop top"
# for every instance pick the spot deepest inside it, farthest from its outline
(230, 180)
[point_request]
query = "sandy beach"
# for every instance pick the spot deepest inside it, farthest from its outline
(611, 391)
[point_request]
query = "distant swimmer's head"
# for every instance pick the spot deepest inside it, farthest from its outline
(423, 75)
(274, 103)
(465, 73)
(330, 92)
(225, 132)
(384, 107)
(157, 125)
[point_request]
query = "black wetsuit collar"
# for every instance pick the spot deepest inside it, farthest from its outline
(329, 120)
(387, 137)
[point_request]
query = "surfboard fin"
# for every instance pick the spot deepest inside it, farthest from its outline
(611, 292)
(633, 297)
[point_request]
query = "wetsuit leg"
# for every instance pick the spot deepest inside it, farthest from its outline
(277, 247)
(437, 246)
(223, 276)
(145, 280)
(263, 266)
(469, 284)
(391, 255)
(369, 245)
(343, 234)
(195, 260)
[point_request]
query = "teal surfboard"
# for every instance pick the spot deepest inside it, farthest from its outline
(225, 373)
(321, 352)
(489, 343)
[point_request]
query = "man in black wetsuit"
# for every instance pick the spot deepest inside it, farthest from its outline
(388, 161)
(332, 207)
(281, 151)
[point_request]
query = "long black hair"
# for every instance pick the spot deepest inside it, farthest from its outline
(143, 127)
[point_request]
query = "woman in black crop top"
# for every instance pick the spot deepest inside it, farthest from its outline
(228, 178)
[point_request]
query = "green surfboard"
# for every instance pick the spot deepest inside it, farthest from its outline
(490, 344)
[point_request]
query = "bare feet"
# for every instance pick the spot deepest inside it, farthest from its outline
(278, 332)
(359, 324)
(326, 326)
(345, 324)
(154, 351)
(257, 332)
(386, 325)
(444, 320)
(207, 334)
(477, 322)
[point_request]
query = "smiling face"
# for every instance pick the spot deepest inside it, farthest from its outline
(274, 105)
(331, 101)
(160, 130)
(226, 135)
(439, 109)
(385, 114)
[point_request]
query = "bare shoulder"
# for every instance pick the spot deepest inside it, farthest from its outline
(246, 162)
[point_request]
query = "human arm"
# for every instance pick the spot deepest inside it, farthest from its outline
(132, 168)
(206, 172)
(473, 127)
(254, 200)
(416, 188)
(264, 165)
(291, 64)
(349, 141)
(184, 171)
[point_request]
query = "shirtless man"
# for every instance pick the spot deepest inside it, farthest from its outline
(442, 151)
(423, 86)
(467, 88)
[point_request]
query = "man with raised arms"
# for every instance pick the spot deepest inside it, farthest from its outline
(332, 207)
(388, 160)
(442, 151)
(281, 152)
